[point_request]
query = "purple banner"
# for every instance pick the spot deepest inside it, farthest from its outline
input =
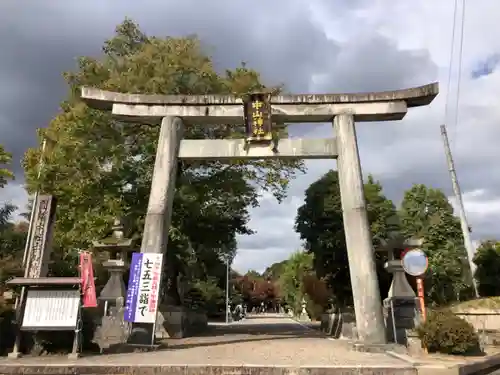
(133, 287)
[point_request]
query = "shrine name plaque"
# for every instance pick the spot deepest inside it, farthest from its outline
(257, 110)
(50, 309)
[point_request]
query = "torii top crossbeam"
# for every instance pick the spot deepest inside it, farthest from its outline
(228, 109)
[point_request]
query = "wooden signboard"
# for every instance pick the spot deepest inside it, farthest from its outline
(51, 309)
(258, 117)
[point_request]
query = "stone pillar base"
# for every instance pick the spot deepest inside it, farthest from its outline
(304, 317)
(340, 325)
(178, 322)
(14, 355)
(401, 314)
(413, 343)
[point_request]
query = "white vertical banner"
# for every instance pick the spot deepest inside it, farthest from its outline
(149, 285)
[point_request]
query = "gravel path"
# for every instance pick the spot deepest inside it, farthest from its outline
(258, 340)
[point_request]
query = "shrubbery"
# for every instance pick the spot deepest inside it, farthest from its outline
(444, 332)
(6, 328)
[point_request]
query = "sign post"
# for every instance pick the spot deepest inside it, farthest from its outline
(415, 263)
(143, 289)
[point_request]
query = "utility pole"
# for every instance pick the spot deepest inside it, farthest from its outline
(463, 218)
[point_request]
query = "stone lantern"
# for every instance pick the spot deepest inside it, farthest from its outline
(304, 316)
(113, 329)
(401, 307)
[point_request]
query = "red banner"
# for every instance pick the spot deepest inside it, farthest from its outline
(88, 284)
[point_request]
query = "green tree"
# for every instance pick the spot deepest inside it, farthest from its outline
(487, 260)
(5, 174)
(291, 281)
(274, 271)
(320, 224)
(5, 214)
(12, 236)
(12, 241)
(254, 275)
(212, 295)
(100, 167)
(427, 213)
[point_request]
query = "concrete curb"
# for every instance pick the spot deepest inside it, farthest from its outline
(480, 366)
(403, 357)
(304, 325)
(111, 369)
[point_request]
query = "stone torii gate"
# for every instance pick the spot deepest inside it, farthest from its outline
(258, 112)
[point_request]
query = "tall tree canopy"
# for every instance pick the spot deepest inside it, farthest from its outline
(12, 236)
(5, 173)
(427, 213)
(487, 260)
(100, 167)
(291, 281)
(274, 271)
(320, 224)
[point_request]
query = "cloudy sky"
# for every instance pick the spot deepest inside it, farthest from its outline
(311, 46)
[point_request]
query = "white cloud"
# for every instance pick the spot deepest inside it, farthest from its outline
(478, 204)
(482, 211)
(14, 194)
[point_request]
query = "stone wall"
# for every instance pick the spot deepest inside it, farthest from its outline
(481, 318)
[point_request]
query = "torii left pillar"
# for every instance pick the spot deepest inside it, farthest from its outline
(159, 212)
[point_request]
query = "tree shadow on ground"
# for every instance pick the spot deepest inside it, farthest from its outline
(238, 332)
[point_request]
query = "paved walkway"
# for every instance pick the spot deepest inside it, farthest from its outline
(272, 340)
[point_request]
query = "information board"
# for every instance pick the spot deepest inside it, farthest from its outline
(51, 310)
(143, 288)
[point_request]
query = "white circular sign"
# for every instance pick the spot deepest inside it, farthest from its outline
(415, 262)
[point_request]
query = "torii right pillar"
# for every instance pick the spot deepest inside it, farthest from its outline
(366, 294)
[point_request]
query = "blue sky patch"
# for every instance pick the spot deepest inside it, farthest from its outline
(486, 67)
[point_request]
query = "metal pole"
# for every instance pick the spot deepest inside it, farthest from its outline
(227, 290)
(463, 218)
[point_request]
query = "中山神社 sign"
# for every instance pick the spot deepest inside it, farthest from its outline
(257, 109)
(143, 288)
